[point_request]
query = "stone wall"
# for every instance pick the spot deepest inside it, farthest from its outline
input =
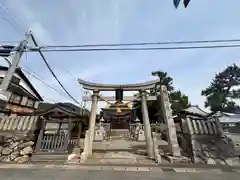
(213, 150)
(17, 148)
(205, 142)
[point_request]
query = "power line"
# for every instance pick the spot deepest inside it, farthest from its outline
(50, 69)
(87, 46)
(46, 48)
(49, 99)
(70, 74)
(141, 43)
(17, 26)
(8, 42)
(11, 24)
(42, 81)
(14, 18)
(137, 49)
(75, 47)
(32, 74)
(37, 78)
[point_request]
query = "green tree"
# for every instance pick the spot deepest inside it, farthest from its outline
(223, 90)
(178, 100)
(164, 79)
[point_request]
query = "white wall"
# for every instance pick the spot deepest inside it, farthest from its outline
(22, 82)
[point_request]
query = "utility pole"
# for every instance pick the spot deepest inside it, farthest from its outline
(16, 56)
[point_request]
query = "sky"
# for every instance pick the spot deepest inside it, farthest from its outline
(60, 22)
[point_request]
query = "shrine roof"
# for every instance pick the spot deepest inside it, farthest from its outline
(195, 110)
(67, 109)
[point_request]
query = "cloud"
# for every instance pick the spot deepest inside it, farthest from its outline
(124, 21)
(24, 12)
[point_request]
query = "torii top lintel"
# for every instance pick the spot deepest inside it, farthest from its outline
(112, 87)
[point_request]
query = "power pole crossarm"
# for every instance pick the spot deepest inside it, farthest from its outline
(16, 56)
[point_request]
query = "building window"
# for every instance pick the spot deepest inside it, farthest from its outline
(15, 98)
(30, 103)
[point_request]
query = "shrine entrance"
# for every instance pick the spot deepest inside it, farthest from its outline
(120, 117)
(119, 123)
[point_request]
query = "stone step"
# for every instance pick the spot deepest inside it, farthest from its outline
(49, 157)
(120, 161)
(114, 150)
(119, 132)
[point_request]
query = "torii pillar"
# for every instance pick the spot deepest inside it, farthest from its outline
(92, 121)
(147, 126)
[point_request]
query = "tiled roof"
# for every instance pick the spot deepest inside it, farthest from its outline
(227, 117)
(196, 110)
(18, 123)
(66, 107)
(236, 116)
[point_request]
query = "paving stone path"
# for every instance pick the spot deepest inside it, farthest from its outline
(120, 151)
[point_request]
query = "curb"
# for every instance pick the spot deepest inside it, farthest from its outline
(116, 168)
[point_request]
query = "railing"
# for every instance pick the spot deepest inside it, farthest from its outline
(203, 127)
(18, 123)
(54, 143)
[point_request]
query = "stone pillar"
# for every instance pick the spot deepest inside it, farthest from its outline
(158, 158)
(92, 121)
(147, 126)
(219, 127)
(79, 133)
(84, 154)
(171, 129)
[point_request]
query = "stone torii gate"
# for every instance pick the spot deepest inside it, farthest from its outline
(141, 87)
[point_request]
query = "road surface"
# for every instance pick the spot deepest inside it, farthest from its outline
(51, 172)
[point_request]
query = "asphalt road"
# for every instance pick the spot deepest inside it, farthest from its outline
(86, 174)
